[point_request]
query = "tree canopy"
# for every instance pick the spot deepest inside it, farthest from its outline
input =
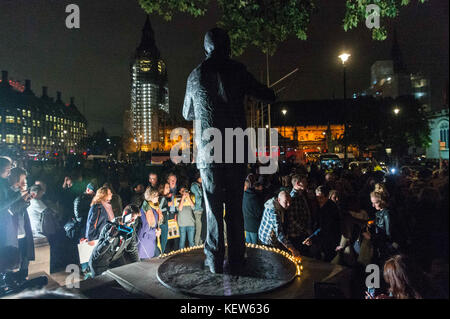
(267, 23)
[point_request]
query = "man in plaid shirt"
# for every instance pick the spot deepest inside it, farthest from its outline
(298, 216)
(271, 230)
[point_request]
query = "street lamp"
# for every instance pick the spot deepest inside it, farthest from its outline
(344, 57)
(396, 111)
(284, 111)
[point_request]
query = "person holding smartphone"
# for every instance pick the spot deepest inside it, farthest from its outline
(16, 226)
(186, 219)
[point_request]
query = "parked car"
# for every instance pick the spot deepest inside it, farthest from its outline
(329, 161)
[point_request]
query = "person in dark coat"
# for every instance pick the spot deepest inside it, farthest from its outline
(17, 225)
(45, 224)
(67, 195)
(116, 248)
(5, 201)
(137, 197)
(327, 240)
(252, 208)
(214, 98)
(99, 213)
(81, 208)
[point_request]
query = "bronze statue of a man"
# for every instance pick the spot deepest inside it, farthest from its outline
(215, 99)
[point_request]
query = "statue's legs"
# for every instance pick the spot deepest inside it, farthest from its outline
(224, 185)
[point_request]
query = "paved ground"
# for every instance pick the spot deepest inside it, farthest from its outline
(42, 264)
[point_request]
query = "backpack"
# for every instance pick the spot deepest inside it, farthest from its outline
(72, 228)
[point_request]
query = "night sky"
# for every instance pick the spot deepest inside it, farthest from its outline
(92, 63)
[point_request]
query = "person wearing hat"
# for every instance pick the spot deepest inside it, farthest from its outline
(81, 206)
(117, 244)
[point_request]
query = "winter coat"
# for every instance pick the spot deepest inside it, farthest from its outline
(147, 236)
(330, 226)
(97, 219)
(164, 206)
(81, 208)
(252, 209)
(42, 218)
(196, 189)
(11, 206)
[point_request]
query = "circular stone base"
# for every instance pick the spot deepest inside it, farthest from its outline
(263, 271)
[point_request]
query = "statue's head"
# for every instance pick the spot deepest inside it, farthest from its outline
(217, 41)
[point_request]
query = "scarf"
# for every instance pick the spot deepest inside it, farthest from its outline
(109, 210)
(151, 216)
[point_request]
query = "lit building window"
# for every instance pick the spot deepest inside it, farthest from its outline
(24, 113)
(9, 138)
(29, 113)
(46, 117)
(29, 130)
(18, 120)
(24, 130)
(10, 119)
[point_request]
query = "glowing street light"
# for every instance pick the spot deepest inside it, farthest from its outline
(344, 57)
(284, 111)
(396, 111)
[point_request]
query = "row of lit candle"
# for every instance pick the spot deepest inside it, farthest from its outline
(296, 260)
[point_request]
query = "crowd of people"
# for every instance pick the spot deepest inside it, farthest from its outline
(345, 217)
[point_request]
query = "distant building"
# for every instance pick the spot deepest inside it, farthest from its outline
(311, 126)
(38, 125)
(439, 122)
(390, 78)
(149, 92)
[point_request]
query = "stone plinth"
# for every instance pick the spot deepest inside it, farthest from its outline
(263, 271)
(141, 280)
